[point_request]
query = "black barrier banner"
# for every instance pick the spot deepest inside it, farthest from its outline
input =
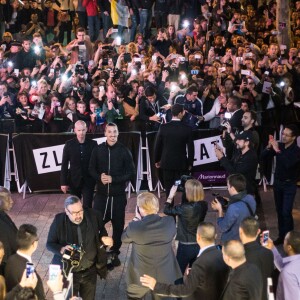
(3, 157)
(39, 157)
(206, 166)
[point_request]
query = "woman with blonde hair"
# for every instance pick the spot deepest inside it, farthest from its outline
(189, 214)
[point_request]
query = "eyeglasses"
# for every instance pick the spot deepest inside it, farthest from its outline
(287, 135)
(75, 213)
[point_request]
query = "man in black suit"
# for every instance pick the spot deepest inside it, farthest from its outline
(244, 280)
(174, 148)
(235, 122)
(152, 109)
(27, 241)
(255, 253)
(8, 230)
(207, 276)
(77, 153)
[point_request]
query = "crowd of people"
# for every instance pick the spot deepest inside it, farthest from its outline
(207, 65)
(215, 53)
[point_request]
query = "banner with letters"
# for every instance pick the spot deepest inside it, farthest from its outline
(39, 157)
(4, 160)
(206, 166)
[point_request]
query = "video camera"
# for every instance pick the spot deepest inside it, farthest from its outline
(223, 201)
(73, 256)
(181, 183)
(79, 69)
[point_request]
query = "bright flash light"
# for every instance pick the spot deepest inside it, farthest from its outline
(186, 23)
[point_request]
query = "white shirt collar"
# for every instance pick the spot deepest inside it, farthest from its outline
(25, 256)
(204, 248)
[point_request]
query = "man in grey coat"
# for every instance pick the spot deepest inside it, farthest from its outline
(151, 237)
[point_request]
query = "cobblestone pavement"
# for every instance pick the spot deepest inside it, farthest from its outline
(39, 210)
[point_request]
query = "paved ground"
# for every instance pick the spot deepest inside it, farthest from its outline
(39, 210)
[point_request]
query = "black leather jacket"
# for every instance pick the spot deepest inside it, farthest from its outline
(190, 214)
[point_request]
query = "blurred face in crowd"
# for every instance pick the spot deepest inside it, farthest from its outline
(111, 133)
(75, 212)
(23, 100)
(273, 49)
(34, 18)
(7, 203)
(231, 107)
(110, 93)
(244, 106)
(246, 120)
(93, 107)
(81, 108)
(152, 98)
(192, 96)
(71, 104)
(228, 86)
(80, 36)
(3, 89)
(95, 92)
(26, 45)
(242, 144)
(293, 52)
(287, 136)
(26, 4)
(42, 88)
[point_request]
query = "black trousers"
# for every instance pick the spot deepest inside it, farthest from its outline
(170, 176)
(84, 283)
(85, 191)
(113, 209)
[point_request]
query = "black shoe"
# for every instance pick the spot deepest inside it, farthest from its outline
(110, 266)
(279, 241)
(116, 262)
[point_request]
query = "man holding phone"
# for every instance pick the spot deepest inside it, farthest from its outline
(7, 104)
(27, 241)
(255, 253)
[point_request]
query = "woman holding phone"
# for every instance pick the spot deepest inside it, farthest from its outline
(189, 214)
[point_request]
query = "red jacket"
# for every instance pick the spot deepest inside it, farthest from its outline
(91, 7)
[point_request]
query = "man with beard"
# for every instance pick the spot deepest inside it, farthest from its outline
(285, 178)
(243, 162)
(79, 233)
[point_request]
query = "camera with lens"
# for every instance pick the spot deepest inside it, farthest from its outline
(187, 45)
(117, 73)
(79, 69)
(74, 255)
(181, 183)
(223, 201)
(80, 90)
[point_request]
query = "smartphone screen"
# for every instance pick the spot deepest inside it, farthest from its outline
(29, 269)
(265, 237)
(54, 271)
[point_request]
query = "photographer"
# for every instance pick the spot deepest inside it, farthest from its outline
(76, 237)
(240, 206)
(190, 214)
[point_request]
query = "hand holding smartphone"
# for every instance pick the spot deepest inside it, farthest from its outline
(29, 269)
(265, 237)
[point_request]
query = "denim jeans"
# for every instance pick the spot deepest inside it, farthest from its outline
(145, 22)
(94, 27)
(107, 23)
(186, 255)
(134, 24)
(284, 196)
